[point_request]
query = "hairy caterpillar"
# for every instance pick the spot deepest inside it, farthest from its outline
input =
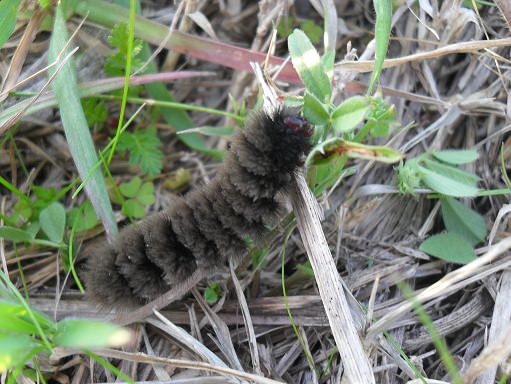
(208, 226)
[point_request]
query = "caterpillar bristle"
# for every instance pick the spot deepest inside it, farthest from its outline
(209, 226)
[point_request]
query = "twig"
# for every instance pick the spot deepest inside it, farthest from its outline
(357, 366)
(465, 47)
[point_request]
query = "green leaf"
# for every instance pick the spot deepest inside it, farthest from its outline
(408, 176)
(74, 333)
(181, 178)
(53, 221)
(22, 211)
(445, 185)
(14, 318)
(44, 194)
(226, 131)
(131, 188)
(452, 172)
(350, 113)
(455, 157)
(146, 194)
(33, 228)
(450, 247)
(75, 126)
(314, 110)
(115, 63)
(8, 12)
(212, 293)
(307, 63)
(382, 27)
(381, 117)
(95, 111)
(285, 26)
(327, 63)
(12, 350)
(258, 257)
(133, 208)
(464, 221)
(15, 234)
(144, 147)
(312, 30)
(85, 217)
(331, 149)
(306, 269)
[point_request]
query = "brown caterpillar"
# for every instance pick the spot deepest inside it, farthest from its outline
(208, 226)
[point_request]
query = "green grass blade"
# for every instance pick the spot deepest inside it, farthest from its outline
(382, 27)
(286, 303)
(8, 11)
(440, 345)
(75, 126)
(176, 118)
(127, 71)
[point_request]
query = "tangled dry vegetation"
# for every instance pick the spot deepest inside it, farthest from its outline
(448, 78)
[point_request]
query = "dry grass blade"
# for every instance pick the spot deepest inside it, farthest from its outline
(90, 88)
(464, 47)
(357, 366)
(221, 331)
(14, 119)
(21, 53)
(496, 352)
(505, 9)
(247, 319)
(499, 332)
(185, 339)
(185, 364)
(442, 286)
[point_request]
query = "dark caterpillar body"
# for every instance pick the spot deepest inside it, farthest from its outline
(208, 226)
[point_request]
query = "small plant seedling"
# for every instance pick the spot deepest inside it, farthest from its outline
(25, 333)
(212, 293)
(143, 146)
(116, 63)
(439, 171)
(137, 195)
(84, 215)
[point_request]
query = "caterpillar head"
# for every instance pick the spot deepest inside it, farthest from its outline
(298, 125)
(290, 138)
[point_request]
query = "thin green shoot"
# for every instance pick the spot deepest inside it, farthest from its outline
(405, 357)
(39, 372)
(110, 367)
(329, 363)
(103, 153)
(483, 193)
(174, 105)
(7, 220)
(24, 303)
(22, 274)
(286, 303)
(382, 28)
(16, 371)
(398, 348)
(503, 379)
(14, 190)
(439, 343)
(70, 254)
(127, 75)
(17, 153)
(116, 189)
(503, 167)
